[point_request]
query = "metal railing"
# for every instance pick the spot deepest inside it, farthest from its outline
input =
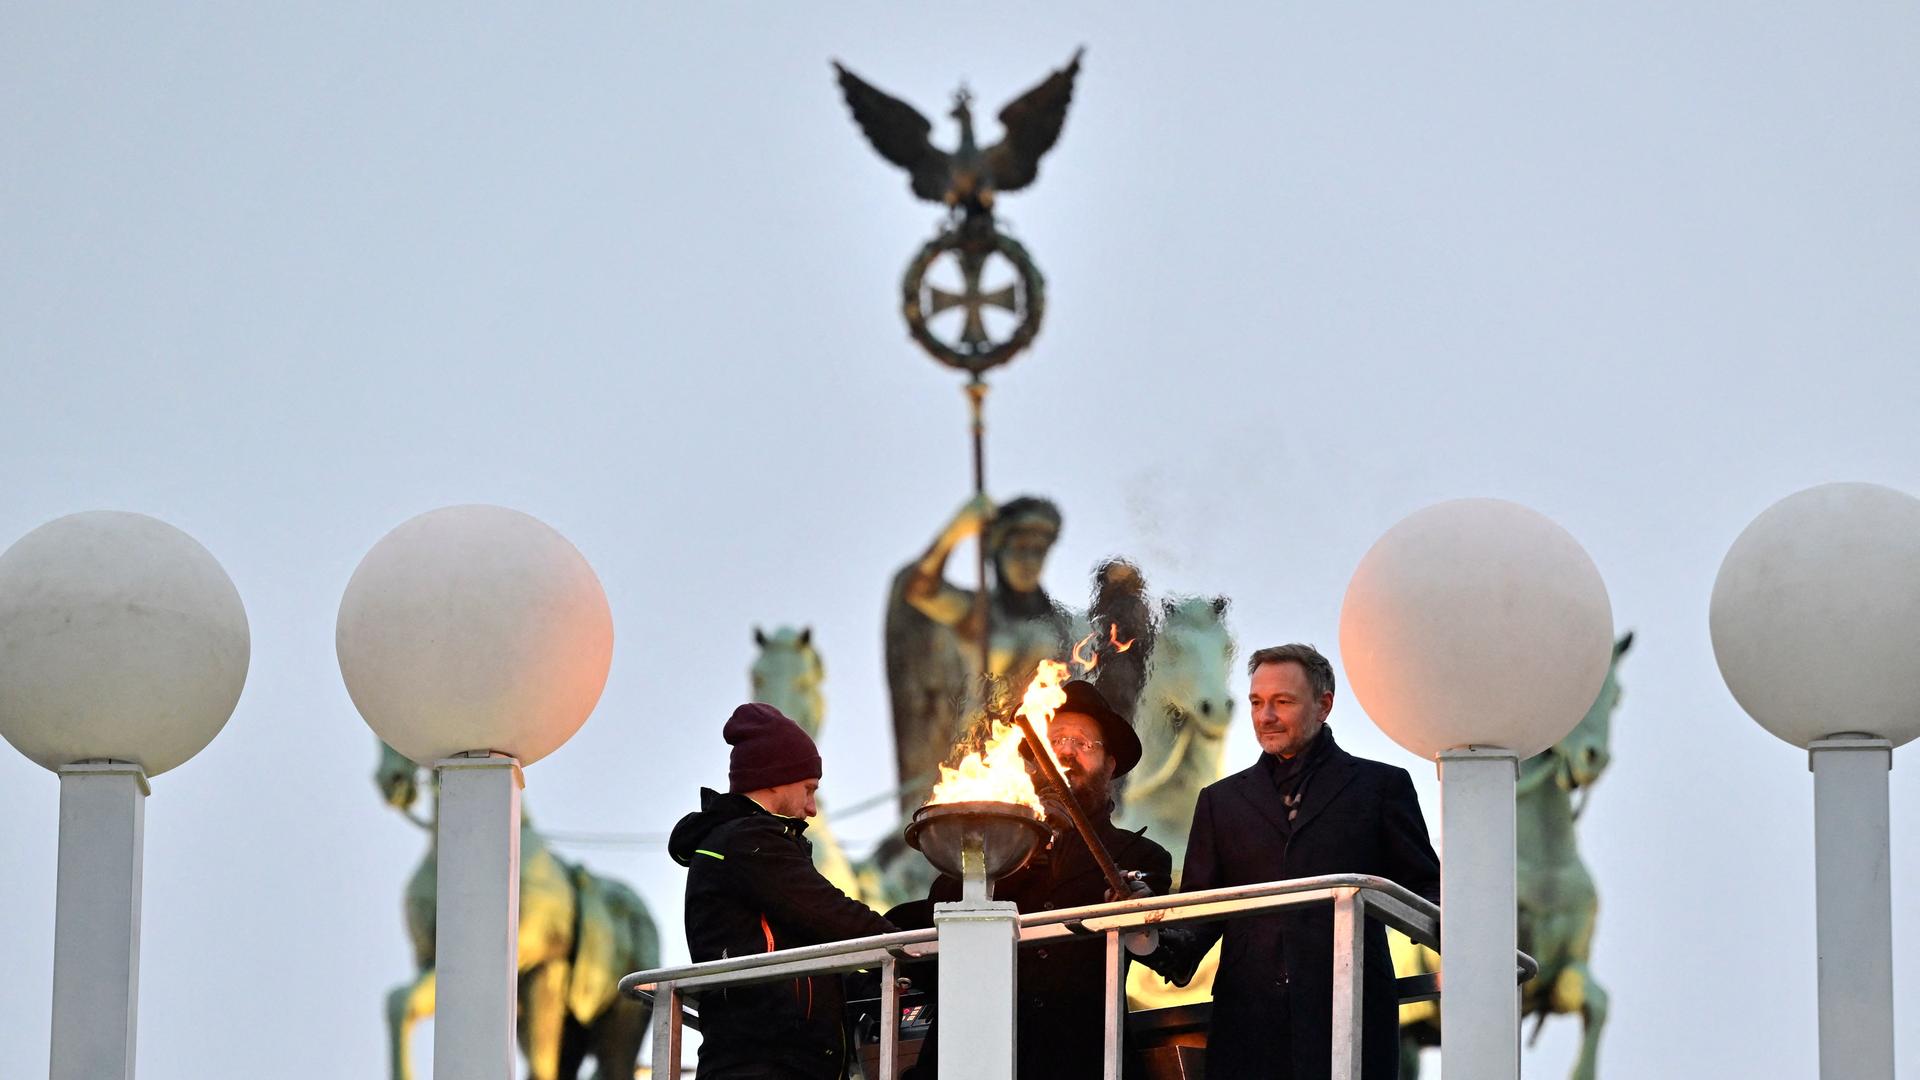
(1355, 898)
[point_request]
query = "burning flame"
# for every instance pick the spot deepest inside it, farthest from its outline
(1083, 658)
(996, 772)
(1113, 635)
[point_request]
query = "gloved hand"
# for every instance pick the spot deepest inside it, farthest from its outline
(1145, 941)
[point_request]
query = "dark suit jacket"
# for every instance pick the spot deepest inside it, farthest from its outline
(1061, 1011)
(1273, 996)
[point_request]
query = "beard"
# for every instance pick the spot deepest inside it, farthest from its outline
(1093, 791)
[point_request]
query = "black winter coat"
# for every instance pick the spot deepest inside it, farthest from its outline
(1273, 996)
(1061, 1016)
(752, 888)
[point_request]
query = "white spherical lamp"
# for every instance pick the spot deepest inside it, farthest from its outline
(474, 628)
(121, 639)
(1476, 622)
(1816, 615)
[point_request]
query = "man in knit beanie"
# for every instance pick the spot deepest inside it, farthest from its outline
(770, 753)
(752, 888)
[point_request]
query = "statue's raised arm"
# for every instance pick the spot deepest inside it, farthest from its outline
(924, 582)
(934, 629)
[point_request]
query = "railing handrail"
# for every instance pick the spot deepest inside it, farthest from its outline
(832, 956)
(1118, 915)
(1419, 919)
(1354, 898)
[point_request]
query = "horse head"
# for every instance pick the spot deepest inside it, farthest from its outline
(1186, 704)
(787, 675)
(1585, 752)
(398, 779)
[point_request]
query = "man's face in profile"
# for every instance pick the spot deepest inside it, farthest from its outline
(795, 800)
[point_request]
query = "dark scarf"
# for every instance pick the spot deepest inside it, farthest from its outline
(1290, 776)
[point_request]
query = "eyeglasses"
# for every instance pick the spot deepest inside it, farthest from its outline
(1071, 744)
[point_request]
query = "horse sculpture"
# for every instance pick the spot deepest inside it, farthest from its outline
(579, 933)
(1557, 899)
(787, 674)
(1184, 712)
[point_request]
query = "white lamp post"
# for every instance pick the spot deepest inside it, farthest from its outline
(123, 650)
(1816, 626)
(475, 640)
(1477, 633)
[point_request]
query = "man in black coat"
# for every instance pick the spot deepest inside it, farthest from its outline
(1305, 808)
(752, 888)
(1061, 1015)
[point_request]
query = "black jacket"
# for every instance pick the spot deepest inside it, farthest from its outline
(752, 888)
(1062, 986)
(1273, 996)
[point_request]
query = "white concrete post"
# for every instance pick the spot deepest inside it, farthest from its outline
(477, 946)
(96, 924)
(1480, 1000)
(1853, 905)
(979, 951)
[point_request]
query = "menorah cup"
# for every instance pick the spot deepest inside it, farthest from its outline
(979, 843)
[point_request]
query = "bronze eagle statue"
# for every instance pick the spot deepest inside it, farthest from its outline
(968, 178)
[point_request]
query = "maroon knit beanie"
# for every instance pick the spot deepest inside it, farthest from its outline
(768, 749)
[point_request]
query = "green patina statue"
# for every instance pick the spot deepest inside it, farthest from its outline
(933, 632)
(579, 934)
(1167, 668)
(1557, 899)
(968, 180)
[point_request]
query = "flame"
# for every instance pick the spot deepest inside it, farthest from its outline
(1113, 635)
(996, 772)
(1083, 658)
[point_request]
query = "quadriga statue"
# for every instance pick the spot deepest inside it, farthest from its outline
(933, 632)
(1557, 900)
(579, 934)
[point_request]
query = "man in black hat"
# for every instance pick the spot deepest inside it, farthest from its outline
(752, 888)
(1062, 986)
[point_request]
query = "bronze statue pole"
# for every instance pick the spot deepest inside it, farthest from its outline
(967, 181)
(976, 390)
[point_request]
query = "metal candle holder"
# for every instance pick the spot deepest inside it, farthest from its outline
(977, 842)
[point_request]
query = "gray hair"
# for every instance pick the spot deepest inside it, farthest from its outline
(1319, 671)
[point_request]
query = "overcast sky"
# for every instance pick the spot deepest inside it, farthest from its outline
(285, 279)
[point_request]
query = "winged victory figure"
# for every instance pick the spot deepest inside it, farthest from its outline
(967, 178)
